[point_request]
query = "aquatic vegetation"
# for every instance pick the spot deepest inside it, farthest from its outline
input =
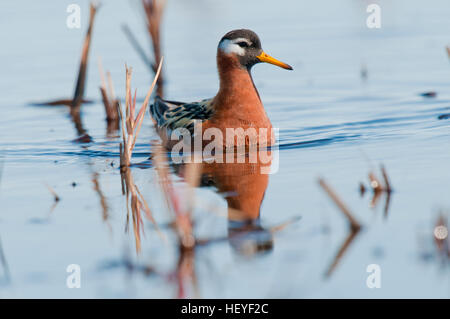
(153, 13)
(56, 198)
(130, 125)
(354, 228)
(78, 97)
(81, 79)
(110, 102)
(209, 229)
(379, 188)
(130, 121)
(354, 224)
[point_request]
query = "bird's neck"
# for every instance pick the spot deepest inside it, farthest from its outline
(236, 82)
(237, 104)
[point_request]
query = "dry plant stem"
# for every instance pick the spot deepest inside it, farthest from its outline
(448, 51)
(110, 85)
(354, 224)
(81, 131)
(154, 11)
(377, 189)
(106, 102)
(362, 189)
(55, 196)
(133, 202)
(342, 251)
(81, 80)
(387, 203)
(131, 125)
(388, 190)
(137, 203)
(77, 100)
(387, 184)
(147, 98)
(67, 102)
(108, 98)
(375, 183)
(375, 198)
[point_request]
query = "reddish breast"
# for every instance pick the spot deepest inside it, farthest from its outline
(237, 104)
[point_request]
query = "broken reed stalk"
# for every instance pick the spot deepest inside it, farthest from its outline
(52, 191)
(81, 80)
(136, 206)
(109, 100)
(75, 102)
(343, 248)
(375, 183)
(154, 10)
(378, 189)
(67, 102)
(354, 224)
(387, 184)
(448, 51)
(130, 122)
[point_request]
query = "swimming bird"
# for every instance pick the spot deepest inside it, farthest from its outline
(237, 104)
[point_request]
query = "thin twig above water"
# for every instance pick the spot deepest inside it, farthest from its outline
(354, 224)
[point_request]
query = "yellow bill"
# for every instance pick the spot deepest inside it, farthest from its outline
(264, 57)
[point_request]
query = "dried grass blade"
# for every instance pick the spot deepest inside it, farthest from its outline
(353, 222)
(145, 104)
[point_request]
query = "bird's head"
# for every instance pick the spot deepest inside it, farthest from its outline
(245, 46)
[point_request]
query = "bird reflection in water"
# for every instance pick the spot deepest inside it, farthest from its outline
(243, 184)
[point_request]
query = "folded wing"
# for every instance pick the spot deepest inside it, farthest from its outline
(173, 115)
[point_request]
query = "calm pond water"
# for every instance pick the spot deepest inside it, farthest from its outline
(333, 124)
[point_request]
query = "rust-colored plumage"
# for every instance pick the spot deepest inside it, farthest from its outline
(237, 105)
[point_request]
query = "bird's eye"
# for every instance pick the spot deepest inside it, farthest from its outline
(243, 44)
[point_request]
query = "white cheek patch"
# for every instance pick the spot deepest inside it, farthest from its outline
(228, 47)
